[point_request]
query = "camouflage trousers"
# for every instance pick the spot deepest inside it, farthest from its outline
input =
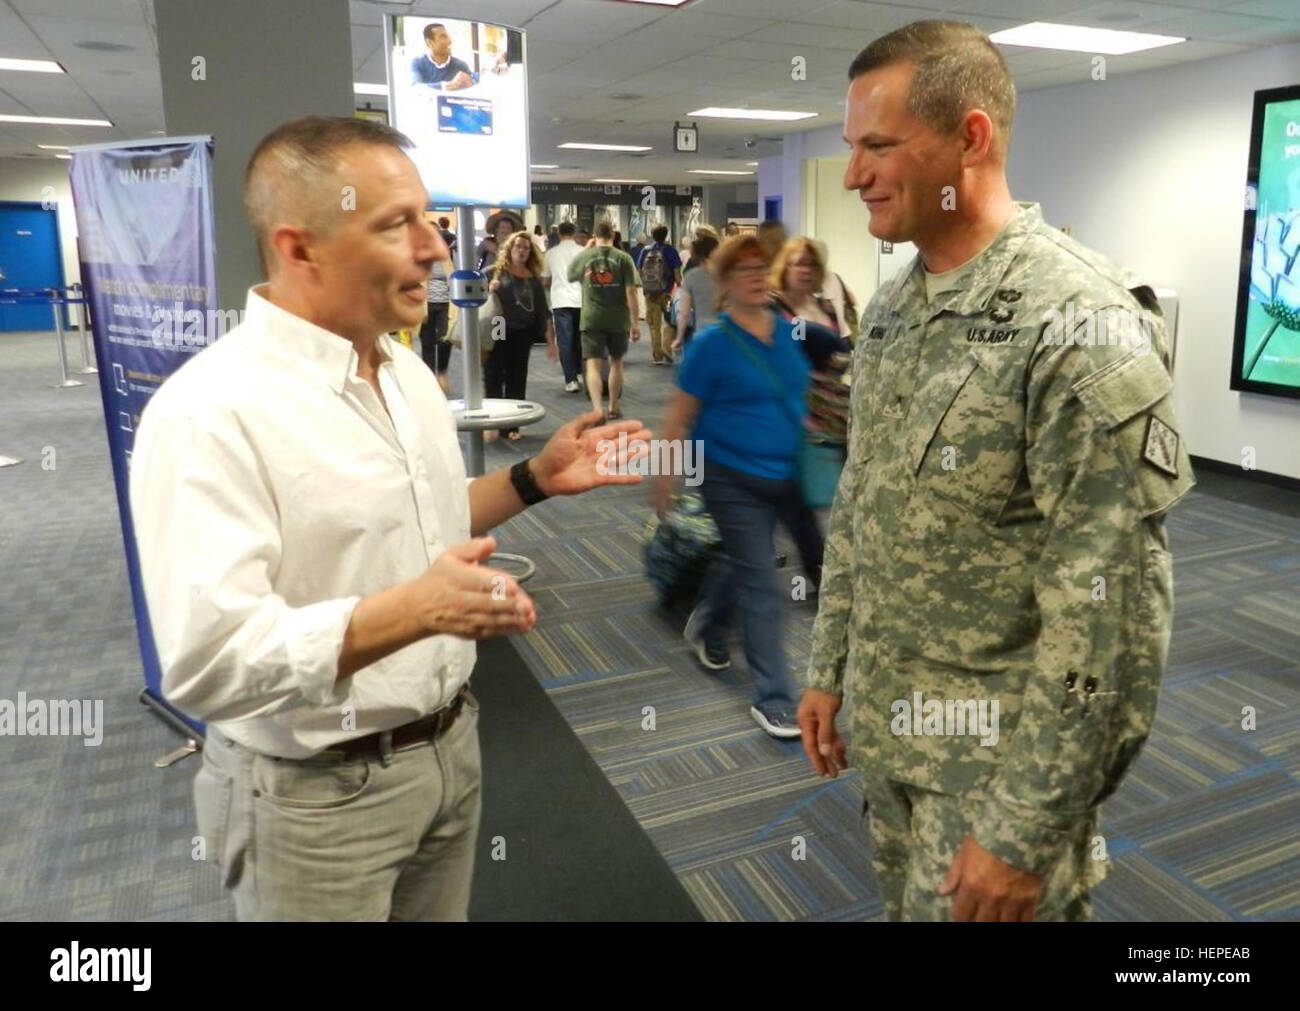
(915, 835)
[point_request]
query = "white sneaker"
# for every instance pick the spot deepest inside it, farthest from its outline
(572, 387)
(778, 723)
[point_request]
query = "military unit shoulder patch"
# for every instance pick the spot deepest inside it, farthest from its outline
(1161, 447)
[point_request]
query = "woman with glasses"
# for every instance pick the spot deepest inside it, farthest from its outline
(741, 389)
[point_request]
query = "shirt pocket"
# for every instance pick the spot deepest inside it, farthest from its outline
(967, 441)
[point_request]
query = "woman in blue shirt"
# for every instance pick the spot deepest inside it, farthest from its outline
(741, 393)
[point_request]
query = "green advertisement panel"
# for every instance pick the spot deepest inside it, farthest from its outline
(1266, 348)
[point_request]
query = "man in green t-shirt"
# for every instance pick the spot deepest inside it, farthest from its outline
(610, 315)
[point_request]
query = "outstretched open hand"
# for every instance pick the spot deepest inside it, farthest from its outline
(585, 454)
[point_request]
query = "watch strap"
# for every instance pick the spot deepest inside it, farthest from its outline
(521, 476)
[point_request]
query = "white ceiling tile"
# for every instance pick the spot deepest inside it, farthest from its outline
(865, 20)
(987, 23)
(1021, 11)
(789, 33)
(1281, 9)
(1195, 49)
(508, 12)
(82, 10)
(591, 22)
(69, 31)
(779, 10)
(1125, 16)
(773, 52)
(1210, 25)
(1209, 5)
(695, 21)
(17, 40)
(1276, 33)
(546, 56)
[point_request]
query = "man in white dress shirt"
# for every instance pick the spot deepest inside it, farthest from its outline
(304, 526)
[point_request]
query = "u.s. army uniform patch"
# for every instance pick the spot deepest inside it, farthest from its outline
(1161, 447)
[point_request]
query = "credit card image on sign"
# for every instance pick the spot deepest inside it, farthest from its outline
(464, 115)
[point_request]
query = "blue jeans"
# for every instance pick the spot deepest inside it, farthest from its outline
(570, 347)
(746, 509)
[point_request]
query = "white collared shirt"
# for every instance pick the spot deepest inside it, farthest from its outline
(270, 492)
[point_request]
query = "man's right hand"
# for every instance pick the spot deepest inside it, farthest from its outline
(458, 595)
(821, 741)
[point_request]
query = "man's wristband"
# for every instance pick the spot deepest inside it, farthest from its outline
(521, 476)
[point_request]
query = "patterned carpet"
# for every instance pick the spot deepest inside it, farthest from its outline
(1204, 828)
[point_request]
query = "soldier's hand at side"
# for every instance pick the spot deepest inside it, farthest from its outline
(821, 741)
(989, 889)
(457, 595)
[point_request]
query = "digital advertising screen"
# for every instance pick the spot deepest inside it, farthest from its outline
(1266, 345)
(459, 90)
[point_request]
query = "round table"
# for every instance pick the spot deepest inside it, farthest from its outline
(501, 414)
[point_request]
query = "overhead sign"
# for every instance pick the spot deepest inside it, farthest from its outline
(459, 90)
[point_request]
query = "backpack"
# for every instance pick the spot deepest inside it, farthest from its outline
(653, 271)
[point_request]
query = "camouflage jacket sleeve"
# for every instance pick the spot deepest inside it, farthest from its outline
(830, 638)
(1105, 461)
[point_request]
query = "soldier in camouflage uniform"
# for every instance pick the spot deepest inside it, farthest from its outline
(998, 532)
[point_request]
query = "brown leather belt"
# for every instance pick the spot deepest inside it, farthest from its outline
(421, 731)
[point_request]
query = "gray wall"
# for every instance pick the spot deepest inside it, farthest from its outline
(1160, 189)
(718, 195)
(265, 63)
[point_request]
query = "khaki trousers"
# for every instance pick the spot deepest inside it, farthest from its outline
(345, 839)
(660, 339)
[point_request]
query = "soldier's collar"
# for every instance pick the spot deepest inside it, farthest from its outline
(986, 276)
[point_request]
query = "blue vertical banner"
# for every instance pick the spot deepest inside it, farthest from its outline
(148, 265)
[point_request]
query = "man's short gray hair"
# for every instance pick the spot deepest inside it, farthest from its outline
(292, 176)
(957, 69)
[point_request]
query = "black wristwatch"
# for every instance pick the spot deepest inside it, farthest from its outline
(521, 476)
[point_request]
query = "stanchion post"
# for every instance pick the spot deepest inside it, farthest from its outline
(87, 369)
(63, 352)
(469, 338)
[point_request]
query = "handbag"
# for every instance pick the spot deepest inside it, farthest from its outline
(819, 463)
(678, 550)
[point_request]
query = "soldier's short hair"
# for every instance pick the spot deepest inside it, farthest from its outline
(604, 230)
(291, 177)
(957, 69)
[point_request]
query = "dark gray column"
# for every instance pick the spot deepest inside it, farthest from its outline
(263, 63)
